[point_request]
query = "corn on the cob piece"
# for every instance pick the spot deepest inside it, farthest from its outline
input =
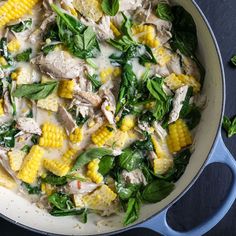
(1, 107)
(102, 135)
(49, 103)
(109, 73)
(78, 201)
(14, 9)
(90, 9)
(16, 159)
(162, 55)
(47, 189)
(3, 61)
(174, 82)
(57, 167)
(52, 136)
(100, 199)
(92, 171)
(76, 136)
(146, 34)
(69, 156)
(66, 89)
(31, 165)
(115, 31)
(120, 139)
(164, 161)
(5, 179)
(128, 123)
(13, 46)
(179, 136)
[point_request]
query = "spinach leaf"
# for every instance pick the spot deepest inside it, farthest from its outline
(147, 56)
(84, 216)
(80, 120)
(233, 60)
(132, 211)
(4, 52)
(8, 132)
(130, 159)
(55, 180)
(164, 12)
(51, 33)
(24, 56)
(157, 190)
(230, 126)
(106, 164)
(193, 117)
(127, 87)
(126, 191)
(26, 149)
(69, 212)
(48, 48)
(143, 145)
(31, 189)
(95, 82)
(35, 91)
(80, 40)
(110, 7)
(61, 201)
(35, 139)
(186, 108)
(22, 26)
(12, 99)
(85, 157)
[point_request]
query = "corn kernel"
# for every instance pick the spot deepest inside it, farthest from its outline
(13, 46)
(128, 123)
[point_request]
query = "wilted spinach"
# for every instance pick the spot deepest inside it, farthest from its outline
(106, 164)
(54, 179)
(110, 7)
(4, 52)
(22, 26)
(233, 60)
(164, 11)
(24, 56)
(31, 189)
(95, 82)
(80, 120)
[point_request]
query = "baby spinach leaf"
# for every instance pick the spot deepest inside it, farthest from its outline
(48, 48)
(193, 117)
(24, 56)
(36, 91)
(26, 149)
(54, 180)
(164, 11)
(22, 26)
(125, 191)
(31, 189)
(233, 60)
(69, 212)
(130, 159)
(157, 190)
(110, 7)
(143, 145)
(61, 201)
(230, 126)
(85, 157)
(132, 211)
(154, 86)
(106, 164)
(51, 33)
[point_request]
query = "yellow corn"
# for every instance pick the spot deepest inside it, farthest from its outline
(14, 9)
(47, 189)
(128, 123)
(70, 9)
(78, 201)
(163, 162)
(3, 61)
(146, 34)
(31, 165)
(5, 179)
(49, 103)
(1, 107)
(16, 159)
(100, 199)
(109, 73)
(93, 173)
(102, 135)
(90, 9)
(57, 167)
(174, 82)
(66, 89)
(120, 139)
(162, 55)
(76, 136)
(115, 31)
(61, 167)
(179, 136)
(52, 136)
(13, 46)
(15, 74)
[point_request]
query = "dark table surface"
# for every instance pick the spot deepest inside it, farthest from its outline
(210, 189)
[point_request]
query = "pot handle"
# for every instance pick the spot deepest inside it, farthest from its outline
(219, 154)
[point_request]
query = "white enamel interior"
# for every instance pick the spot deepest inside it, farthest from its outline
(20, 210)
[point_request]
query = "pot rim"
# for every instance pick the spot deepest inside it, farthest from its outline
(196, 176)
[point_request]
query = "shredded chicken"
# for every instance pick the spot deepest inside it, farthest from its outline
(88, 97)
(134, 177)
(28, 125)
(79, 187)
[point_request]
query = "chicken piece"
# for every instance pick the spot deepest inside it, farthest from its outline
(78, 187)
(7, 103)
(180, 95)
(90, 9)
(66, 119)
(28, 125)
(161, 133)
(134, 177)
(60, 64)
(88, 97)
(109, 106)
(130, 5)
(174, 66)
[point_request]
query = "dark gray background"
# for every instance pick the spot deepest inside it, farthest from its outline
(209, 191)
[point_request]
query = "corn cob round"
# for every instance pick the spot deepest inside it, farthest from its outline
(128, 123)
(66, 89)
(93, 173)
(76, 136)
